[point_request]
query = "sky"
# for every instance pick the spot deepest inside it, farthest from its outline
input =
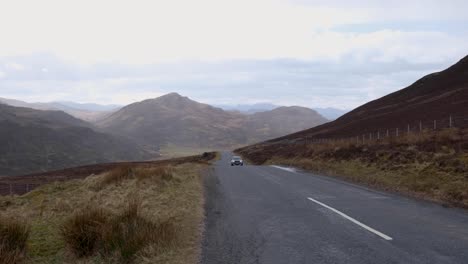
(314, 53)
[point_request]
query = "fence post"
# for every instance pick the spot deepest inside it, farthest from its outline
(370, 136)
(378, 135)
(408, 128)
(397, 132)
(450, 121)
(435, 124)
(387, 133)
(420, 126)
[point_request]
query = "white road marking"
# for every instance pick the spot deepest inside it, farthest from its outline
(284, 168)
(380, 234)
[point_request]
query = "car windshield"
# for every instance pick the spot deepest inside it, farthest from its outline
(236, 158)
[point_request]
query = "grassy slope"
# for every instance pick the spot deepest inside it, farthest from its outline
(430, 166)
(174, 151)
(180, 196)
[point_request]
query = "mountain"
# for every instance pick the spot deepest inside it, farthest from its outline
(35, 140)
(90, 106)
(87, 112)
(174, 119)
(330, 113)
(249, 108)
(281, 120)
(436, 96)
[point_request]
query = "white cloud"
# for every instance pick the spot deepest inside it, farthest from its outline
(341, 84)
(14, 66)
(146, 31)
(132, 50)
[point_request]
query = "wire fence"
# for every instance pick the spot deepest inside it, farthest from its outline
(410, 128)
(17, 188)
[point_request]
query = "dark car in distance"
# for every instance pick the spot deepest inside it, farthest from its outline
(237, 161)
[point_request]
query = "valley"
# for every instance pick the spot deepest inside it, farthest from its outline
(169, 126)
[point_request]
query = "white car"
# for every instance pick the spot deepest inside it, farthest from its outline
(236, 160)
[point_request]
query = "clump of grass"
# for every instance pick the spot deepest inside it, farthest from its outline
(129, 232)
(122, 235)
(164, 173)
(118, 175)
(13, 237)
(82, 231)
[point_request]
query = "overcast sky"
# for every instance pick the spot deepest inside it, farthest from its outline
(299, 52)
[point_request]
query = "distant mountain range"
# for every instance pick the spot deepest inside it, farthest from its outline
(49, 137)
(36, 140)
(174, 119)
(90, 106)
(87, 112)
(329, 113)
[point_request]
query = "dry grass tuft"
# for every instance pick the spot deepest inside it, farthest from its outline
(164, 173)
(118, 174)
(115, 236)
(13, 237)
(82, 231)
(129, 232)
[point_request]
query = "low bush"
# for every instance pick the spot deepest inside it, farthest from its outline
(13, 237)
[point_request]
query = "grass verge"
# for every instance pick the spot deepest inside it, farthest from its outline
(136, 214)
(433, 166)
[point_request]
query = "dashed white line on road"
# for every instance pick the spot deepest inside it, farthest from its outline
(370, 229)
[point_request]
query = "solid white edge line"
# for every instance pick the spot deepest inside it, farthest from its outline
(380, 234)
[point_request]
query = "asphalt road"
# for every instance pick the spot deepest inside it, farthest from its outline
(264, 214)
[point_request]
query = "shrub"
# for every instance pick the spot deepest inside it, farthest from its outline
(82, 231)
(13, 237)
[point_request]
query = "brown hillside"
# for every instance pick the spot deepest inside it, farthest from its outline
(435, 96)
(177, 120)
(33, 141)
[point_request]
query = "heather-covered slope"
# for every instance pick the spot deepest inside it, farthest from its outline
(435, 96)
(34, 140)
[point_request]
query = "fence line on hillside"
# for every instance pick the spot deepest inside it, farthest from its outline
(17, 188)
(411, 128)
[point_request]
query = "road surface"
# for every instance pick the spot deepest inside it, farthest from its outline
(265, 214)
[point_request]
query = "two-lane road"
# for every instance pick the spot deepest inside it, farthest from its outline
(264, 214)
